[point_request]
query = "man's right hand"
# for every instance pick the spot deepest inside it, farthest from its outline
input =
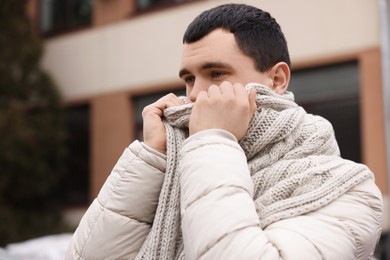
(153, 128)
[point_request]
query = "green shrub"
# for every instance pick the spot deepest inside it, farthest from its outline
(32, 132)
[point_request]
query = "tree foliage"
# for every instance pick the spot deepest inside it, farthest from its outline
(31, 131)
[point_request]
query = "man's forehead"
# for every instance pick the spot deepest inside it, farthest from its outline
(199, 55)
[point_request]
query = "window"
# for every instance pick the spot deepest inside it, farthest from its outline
(333, 93)
(143, 5)
(64, 15)
(75, 184)
(141, 101)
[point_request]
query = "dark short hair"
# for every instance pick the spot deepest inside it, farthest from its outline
(257, 33)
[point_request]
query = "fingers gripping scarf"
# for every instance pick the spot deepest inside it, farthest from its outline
(293, 159)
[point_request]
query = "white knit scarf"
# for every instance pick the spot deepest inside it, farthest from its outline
(293, 158)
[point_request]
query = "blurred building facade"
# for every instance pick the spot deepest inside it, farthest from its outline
(112, 57)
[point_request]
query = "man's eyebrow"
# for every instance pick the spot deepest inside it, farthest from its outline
(208, 65)
(216, 65)
(183, 72)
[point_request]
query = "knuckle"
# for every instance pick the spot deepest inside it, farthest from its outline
(171, 95)
(238, 86)
(145, 110)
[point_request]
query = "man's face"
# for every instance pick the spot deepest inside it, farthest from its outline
(216, 58)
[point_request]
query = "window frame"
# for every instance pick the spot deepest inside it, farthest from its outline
(67, 28)
(160, 7)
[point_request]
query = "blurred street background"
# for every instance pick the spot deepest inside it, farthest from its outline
(76, 74)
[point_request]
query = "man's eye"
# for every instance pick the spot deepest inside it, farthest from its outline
(189, 79)
(216, 74)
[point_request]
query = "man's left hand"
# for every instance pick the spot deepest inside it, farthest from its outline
(228, 106)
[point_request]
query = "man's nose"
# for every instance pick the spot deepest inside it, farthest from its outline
(199, 85)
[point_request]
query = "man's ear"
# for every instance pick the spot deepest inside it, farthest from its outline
(280, 74)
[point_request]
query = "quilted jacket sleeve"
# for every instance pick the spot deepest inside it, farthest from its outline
(219, 218)
(119, 219)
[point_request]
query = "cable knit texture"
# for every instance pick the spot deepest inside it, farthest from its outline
(293, 158)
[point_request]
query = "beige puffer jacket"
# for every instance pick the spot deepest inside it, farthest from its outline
(118, 221)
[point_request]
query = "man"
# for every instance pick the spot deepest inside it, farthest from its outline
(236, 170)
